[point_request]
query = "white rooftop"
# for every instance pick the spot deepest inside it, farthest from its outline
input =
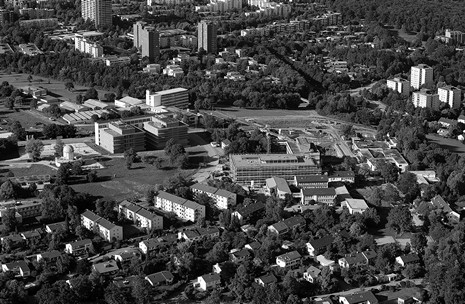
(356, 203)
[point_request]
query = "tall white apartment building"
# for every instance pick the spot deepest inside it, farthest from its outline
(220, 6)
(399, 85)
(420, 75)
(178, 97)
(85, 46)
(426, 99)
(184, 209)
(168, 2)
(98, 11)
(450, 95)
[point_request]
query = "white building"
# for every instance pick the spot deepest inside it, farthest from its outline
(208, 281)
(450, 95)
(356, 205)
(184, 209)
(128, 102)
(85, 46)
(288, 260)
(177, 97)
(173, 70)
(426, 99)
(420, 75)
(221, 197)
(140, 216)
(399, 85)
(106, 229)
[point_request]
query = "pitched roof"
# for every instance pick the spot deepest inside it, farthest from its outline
(106, 223)
(361, 297)
(147, 214)
(280, 227)
(80, 243)
(294, 221)
(50, 254)
(356, 203)
(439, 202)
(290, 256)
(151, 243)
(132, 207)
(254, 245)
(210, 277)
(90, 215)
(204, 188)
(19, 264)
(250, 209)
(225, 193)
(208, 231)
(322, 242)
(343, 174)
(313, 271)
(409, 258)
(170, 197)
(241, 253)
(159, 277)
(279, 183)
(56, 226)
(268, 279)
(105, 267)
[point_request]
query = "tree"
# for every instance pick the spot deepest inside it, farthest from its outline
(8, 190)
(9, 103)
(407, 183)
(376, 196)
(130, 157)
(17, 129)
(92, 176)
(91, 94)
(347, 130)
(9, 219)
(391, 194)
(58, 147)
(69, 86)
(418, 242)
(63, 174)
(400, 219)
(115, 295)
(151, 194)
(142, 291)
(168, 145)
(388, 171)
(34, 148)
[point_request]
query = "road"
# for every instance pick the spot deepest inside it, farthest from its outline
(351, 291)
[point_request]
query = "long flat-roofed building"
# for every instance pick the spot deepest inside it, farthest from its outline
(183, 208)
(162, 128)
(119, 137)
(177, 97)
(103, 227)
(253, 169)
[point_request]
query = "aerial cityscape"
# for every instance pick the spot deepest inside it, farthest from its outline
(232, 151)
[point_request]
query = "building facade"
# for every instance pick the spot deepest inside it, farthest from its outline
(421, 74)
(402, 86)
(450, 95)
(426, 99)
(206, 37)
(98, 11)
(147, 39)
(221, 197)
(85, 46)
(177, 97)
(184, 209)
(119, 137)
(106, 229)
(140, 216)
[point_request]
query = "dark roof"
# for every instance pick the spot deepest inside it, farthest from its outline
(255, 245)
(241, 253)
(312, 179)
(208, 231)
(319, 191)
(90, 215)
(289, 256)
(280, 227)
(409, 258)
(268, 279)
(80, 243)
(204, 188)
(56, 226)
(30, 234)
(250, 209)
(211, 277)
(342, 174)
(361, 297)
(132, 207)
(294, 221)
(322, 242)
(50, 254)
(160, 277)
(19, 264)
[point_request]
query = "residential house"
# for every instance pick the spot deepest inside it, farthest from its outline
(160, 278)
(140, 216)
(357, 259)
(321, 195)
(103, 227)
(31, 237)
(147, 246)
(315, 247)
(312, 274)
(125, 284)
(287, 225)
(79, 248)
(278, 185)
(266, 280)
(13, 241)
(225, 143)
(239, 256)
(222, 198)
(54, 227)
(356, 205)
(324, 261)
(19, 268)
(248, 212)
(366, 297)
(254, 246)
(452, 215)
(311, 181)
(407, 259)
(288, 260)
(446, 122)
(49, 256)
(107, 268)
(461, 119)
(208, 281)
(126, 257)
(199, 233)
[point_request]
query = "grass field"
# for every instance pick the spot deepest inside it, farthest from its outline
(35, 169)
(27, 118)
(452, 145)
(261, 113)
(120, 183)
(409, 37)
(56, 87)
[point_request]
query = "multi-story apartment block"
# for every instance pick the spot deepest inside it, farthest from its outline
(177, 97)
(455, 36)
(140, 216)
(426, 99)
(6, 16)
(184, 209)
(450, 95)
(253, 169)
(98, 11)
(173, 70)
(327, 19)
(162, 128)
(147, 39)
(106, 229)
(79, 247)
(206, 36)
(24, 209)
(136, 121)
(37, 13)
(85, 46)
(119, 137)
(220, 6)
(399, 85)
(421, 74)
(221, 197)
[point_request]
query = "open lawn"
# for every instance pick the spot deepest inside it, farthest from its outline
(27, 118)
(452, 145)
(33, 169)
(118, 183)
(56, 87)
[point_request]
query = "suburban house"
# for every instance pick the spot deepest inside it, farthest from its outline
(54, 227)
(222, 198)
(107, 268)
(78, 248)
(287, 225)
(266, 280)
(408, 259)
(311, 181)
(103, 227)
(149, 245)
(31, 237)
(19, 268)
(160, 278)
(253, 246)
(248, 211)
(451, 215)
(140, 216)
(199, 233)
(318, 195)
(324, 261)
(126, 257)
(288, 260)
(366, 297)
(208, 281)
(446, 122)
(14, 240)
(356, 205)
(315, 247)
(239, 256)
(225, 143)
(357, 259)
(49, 256)
(277, 185)
(125, 284)
(312, 274)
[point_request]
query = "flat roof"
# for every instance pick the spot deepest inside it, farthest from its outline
(170, 91)
(355, 203)
(270, 160)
